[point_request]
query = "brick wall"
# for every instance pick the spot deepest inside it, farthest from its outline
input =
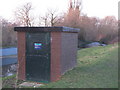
(55, 55)
(21, 55)
(69, 44)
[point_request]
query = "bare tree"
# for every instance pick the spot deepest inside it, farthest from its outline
(51, 18)
(44, 19)
(9, 37)
(23, 15)
(72, 17)
(108, 29)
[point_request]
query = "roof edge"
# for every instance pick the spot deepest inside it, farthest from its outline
(46, 29)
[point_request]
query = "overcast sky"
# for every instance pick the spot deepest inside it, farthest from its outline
(97, 8)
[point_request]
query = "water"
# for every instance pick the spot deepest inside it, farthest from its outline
(8, 56)
(8, 61)
(8, 51)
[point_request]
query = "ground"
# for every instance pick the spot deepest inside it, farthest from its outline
(97, 68)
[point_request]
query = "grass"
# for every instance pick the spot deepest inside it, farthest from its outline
(97, 68)
(9, 77)
(8, 82)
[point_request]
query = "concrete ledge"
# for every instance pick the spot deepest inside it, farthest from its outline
(30, 84)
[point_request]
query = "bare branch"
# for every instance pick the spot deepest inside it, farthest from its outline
(23, 14)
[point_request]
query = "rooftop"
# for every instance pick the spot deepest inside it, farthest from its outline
(47, 29)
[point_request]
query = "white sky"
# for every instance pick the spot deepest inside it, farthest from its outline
(97, 8)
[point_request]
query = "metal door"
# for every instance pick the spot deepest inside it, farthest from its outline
(38, 56)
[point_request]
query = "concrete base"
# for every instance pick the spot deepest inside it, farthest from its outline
(30, 84)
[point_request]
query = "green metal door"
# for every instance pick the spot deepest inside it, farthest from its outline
(38, 56)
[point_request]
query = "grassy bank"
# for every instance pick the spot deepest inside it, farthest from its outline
(8, 82)
(97, 68)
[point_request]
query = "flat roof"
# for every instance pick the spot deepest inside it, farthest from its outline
(46, 29)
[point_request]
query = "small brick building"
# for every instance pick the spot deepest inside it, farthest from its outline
(46, 53)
